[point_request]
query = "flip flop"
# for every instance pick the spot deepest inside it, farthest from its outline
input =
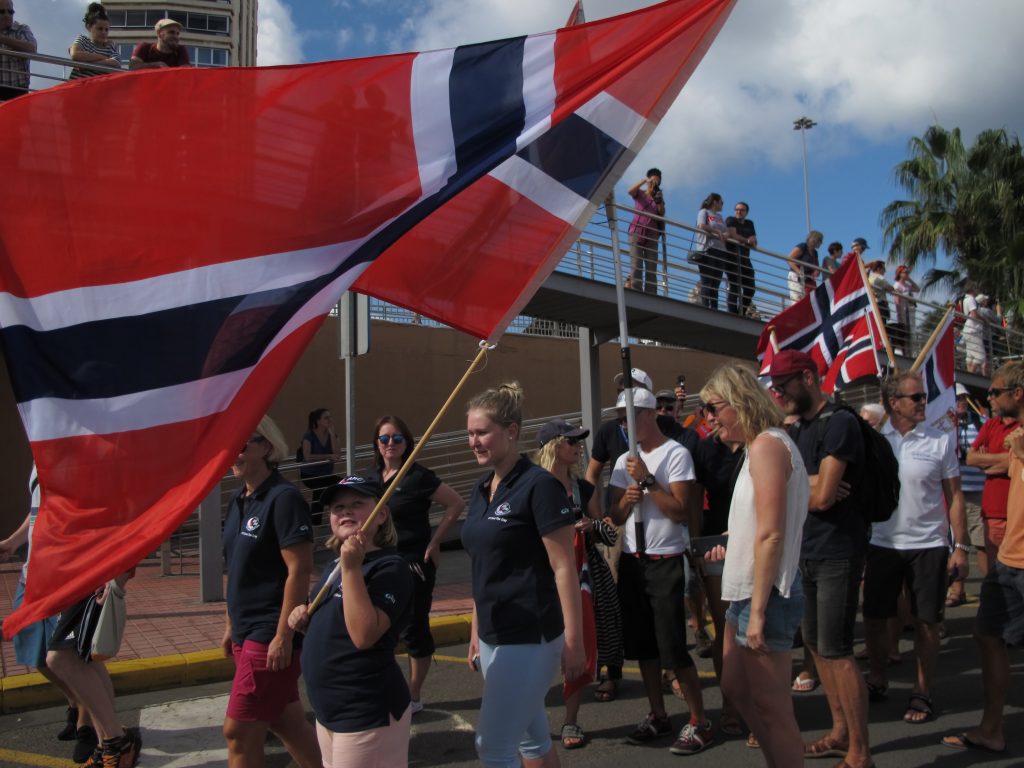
(918, 702)
(803, 684)
(573, 736)
(963, 742)
(606, 694)
(826, 746)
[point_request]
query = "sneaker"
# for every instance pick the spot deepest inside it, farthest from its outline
(70, 725)
(416, 706)
(693, 739)
(705, 645)
(650, 729)
(86, 742)
(123, 752)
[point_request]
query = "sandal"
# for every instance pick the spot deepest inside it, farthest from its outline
(603, 693)
(955, 601)
(803, 684)
(672, 685)
(730, 724)
(826, 746)
(752, 741)
(920, 704)
(573, 736)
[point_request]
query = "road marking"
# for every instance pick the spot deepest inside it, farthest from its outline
(31, 758)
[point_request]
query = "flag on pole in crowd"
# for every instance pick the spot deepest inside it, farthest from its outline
(819, 323)
(576, 15)
(857, 357)
(936, 366)
(146, 336)
(770, 350)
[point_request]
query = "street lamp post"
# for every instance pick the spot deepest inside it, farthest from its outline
(804, 124)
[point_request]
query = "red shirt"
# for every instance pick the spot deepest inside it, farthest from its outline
(149, 53)
(991, 437)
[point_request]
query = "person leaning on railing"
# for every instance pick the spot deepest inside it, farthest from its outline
(803, 266)
(14, 36)
(95, 47)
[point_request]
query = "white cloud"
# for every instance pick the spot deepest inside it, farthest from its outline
(343, 38)
(370, 33)
(277, 40)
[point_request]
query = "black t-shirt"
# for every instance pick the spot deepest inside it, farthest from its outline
(839, 532)
(807, 255)
(256, 529)
(744, 228)
(410, 507)
(353, 690)
(610, 439)
(513, 584)
(715, 465)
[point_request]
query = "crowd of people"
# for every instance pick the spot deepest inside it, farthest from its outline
(93, 48)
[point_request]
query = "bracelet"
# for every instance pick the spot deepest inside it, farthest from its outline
(965, 547)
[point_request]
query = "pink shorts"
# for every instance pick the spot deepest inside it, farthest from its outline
(257, 694)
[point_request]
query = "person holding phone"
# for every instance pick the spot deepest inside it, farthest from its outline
(761, 576)
(912, 546)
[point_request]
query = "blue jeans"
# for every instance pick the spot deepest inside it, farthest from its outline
(513, 719)
(782, 615)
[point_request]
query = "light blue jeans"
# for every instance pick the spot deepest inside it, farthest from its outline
(513, 719)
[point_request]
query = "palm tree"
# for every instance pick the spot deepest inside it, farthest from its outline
(966, 202)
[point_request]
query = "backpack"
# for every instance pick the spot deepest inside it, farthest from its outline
(878, 493)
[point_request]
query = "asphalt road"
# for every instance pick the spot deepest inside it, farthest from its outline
(182, 727)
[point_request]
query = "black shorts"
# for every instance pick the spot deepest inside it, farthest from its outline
(66, 637)
(922, 570)
(1001, 613)
(831, 588)
(419, 642)
(653, 615)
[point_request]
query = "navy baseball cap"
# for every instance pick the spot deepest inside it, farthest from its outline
(362, 485)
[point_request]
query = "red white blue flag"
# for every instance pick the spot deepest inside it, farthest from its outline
(937, 371)
(820, 322)
(858, 357)
(172, 239)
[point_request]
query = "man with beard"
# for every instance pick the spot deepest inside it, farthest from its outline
(167, 51)
(832, 553)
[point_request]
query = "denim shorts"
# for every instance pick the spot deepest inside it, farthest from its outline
(782, 616)
(1001, 612)
(831, 589)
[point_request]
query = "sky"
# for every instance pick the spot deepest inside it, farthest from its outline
(871, 73)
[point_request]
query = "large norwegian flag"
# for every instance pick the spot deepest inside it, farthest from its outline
(819, 323)
(172, 239)
(857, 357)
(938, 375)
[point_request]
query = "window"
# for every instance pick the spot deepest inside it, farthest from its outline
(208, 23)
(202, 56)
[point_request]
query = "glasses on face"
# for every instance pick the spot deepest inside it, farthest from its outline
(573, 441)
(396, 439)
(917, 397)
(781, 386)
(4, 11)
(714, 408)
(665, 406)
(997, 391)
(252, 441)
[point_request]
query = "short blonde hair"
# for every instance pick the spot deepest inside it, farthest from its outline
(738, 386)
(270, 432)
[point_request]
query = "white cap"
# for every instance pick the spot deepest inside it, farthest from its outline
(642, 398)
(640, 378)
(961, 389)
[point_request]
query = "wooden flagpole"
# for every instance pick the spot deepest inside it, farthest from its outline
(878, 315)
(773, 339)
(406, 465)
(927, 348)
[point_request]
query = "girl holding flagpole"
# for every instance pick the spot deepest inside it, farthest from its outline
(526, 593)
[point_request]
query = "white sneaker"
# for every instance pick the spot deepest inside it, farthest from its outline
(416, 706)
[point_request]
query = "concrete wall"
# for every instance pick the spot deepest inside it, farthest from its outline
(409, 372)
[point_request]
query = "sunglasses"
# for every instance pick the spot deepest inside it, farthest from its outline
(396, 439)
(917, 397)
(571, 440)
(252, 440)
(5, 12)
(997, 391)
(713, 409)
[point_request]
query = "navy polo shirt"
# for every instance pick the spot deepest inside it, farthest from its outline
(513, 584)
(839, 532)
(256, 529)
(410, 506)
(349, 689)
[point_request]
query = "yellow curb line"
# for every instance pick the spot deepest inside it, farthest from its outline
(33, 691)
(32, 758)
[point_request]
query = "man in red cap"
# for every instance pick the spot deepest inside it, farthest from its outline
(832, 553)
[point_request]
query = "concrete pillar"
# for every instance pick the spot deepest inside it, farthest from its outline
(590, 390)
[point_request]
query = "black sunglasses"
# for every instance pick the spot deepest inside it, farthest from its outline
(385, 439)
(713, 409)
(571, 440)
(997, 391)
(917, 397)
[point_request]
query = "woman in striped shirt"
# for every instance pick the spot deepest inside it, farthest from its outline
(94, 48)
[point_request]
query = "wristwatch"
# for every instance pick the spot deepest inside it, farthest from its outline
(965, 547)
(648, 482)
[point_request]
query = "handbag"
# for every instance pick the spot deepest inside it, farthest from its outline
(113, 615)
(697, 257)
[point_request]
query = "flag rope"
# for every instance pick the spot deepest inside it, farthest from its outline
(481, 355)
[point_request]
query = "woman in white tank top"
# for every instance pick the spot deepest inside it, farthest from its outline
(761, 576)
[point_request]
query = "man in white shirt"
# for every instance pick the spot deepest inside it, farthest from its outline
(650, 496)
(912, 547)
